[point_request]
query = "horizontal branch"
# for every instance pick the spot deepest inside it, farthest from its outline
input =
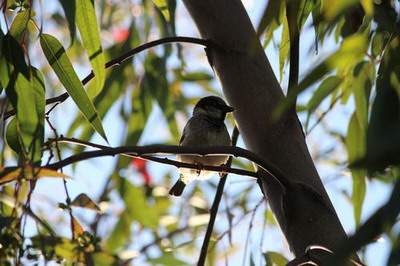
(119, 60)
(147, 152)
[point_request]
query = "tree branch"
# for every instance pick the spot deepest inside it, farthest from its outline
(215, 205)
(119, 60)
(146, 152)
(147, 157)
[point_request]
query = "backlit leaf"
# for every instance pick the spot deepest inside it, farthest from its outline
(77, 227)
(62, 66)
(274, 259)
(356, 145)
(86, 21)
(163, 6)
(83, 200)
(19, 24)
(9, 174)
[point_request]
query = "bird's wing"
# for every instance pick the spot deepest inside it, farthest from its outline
(182, 137)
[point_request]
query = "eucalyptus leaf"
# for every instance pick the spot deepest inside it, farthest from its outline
(62, 66)
(86, 21)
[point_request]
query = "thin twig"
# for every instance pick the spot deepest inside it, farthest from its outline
(215, 205)
(68, 198)
(119, 60)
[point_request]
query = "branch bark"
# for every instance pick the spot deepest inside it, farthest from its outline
(251, 87)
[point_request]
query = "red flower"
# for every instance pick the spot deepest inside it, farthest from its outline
(120, 35)
(141, 167)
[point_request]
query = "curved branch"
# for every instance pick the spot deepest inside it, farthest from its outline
(225, 169)
(119, 60)
(146, 152)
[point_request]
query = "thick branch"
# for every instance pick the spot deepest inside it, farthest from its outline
(250, 86)
(119, 60)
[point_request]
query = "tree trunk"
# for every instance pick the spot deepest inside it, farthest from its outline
(303, 210)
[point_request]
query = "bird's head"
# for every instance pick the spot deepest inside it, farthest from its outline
(212, 107)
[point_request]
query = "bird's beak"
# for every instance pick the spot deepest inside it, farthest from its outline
(228, 109)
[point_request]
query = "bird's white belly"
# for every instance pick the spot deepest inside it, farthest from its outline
(189, 175)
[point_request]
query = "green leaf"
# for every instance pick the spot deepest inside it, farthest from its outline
(195, 76)
(27, 96)
(19, 24)
(162, 5)
(114, 87)
(62, 66)
(274, 259)
(167, 259)
(121, 232)
(155, 81)
(86, 21)
(361, 84)
(138, 207)
(351, 51)
(325, 88)
(271, 18)
(284, 47)
(333, 8)
(69, 10)
(12, 136)
(356, 143)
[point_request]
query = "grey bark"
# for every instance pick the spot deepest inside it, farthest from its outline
(303, 209)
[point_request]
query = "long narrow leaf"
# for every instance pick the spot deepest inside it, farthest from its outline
(62, 66)
(86, 21)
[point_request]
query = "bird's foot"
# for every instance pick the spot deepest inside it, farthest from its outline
(223, 172)
(199, 168)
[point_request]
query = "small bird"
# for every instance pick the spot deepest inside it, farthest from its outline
(205, 128)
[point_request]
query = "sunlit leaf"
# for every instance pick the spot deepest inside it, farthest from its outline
(356, 145)
(351, 51)
(363, 78)
(19, 24)
(83, 200)
(28, 172)
(333, 8)
(77, 227)
(27, 95)
(86, 21)
(61, 65)
(284, 47)
(274, 259)
(163, 6)
(271, 18)
(368, 6)
(325, 88)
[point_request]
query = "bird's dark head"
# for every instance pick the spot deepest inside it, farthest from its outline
(212, 107)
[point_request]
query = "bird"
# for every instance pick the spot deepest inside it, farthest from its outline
(205, 128)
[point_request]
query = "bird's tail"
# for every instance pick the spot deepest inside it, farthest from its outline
(177, 189)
